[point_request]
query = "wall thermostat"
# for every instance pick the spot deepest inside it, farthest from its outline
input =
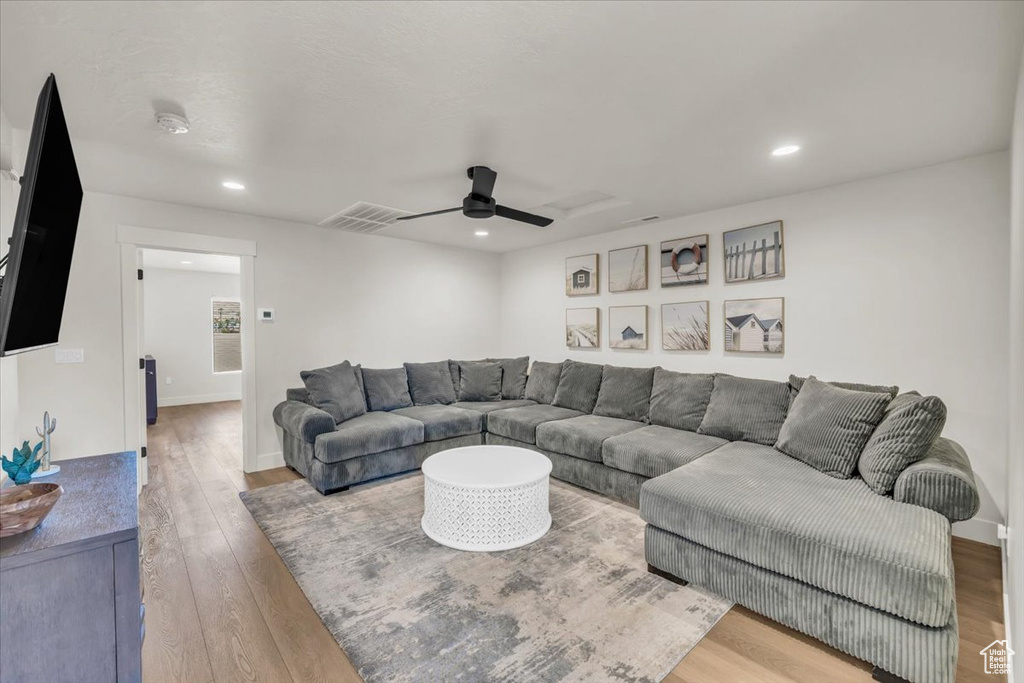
(265, 314)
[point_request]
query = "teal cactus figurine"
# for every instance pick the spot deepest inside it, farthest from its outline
(24, 462)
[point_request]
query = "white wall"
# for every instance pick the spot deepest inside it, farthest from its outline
(9, 432)
(375, 300)
(178, 335)
(913, 264)
(1015, 456)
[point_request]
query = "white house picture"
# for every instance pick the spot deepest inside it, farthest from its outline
(627, 327)
(581, 275)
(582, 329)
(684, 326)
(754, 253)
(755, 325)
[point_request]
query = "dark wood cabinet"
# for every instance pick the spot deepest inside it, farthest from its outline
(70, 599)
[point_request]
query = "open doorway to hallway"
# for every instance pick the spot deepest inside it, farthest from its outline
(191, 338)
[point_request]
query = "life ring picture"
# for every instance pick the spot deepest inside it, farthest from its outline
(684, 261)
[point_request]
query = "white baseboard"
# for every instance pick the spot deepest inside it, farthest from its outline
(980, 530)
(190, 400)
(268, 461)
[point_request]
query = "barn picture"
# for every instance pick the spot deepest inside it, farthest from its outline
(627, 327)
(754, 325)
(581, 275)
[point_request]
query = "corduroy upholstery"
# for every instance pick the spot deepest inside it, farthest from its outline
(303, 420)
(582, 437)
(769, 510)
(744, 409)
(444, 422)
(430, 383)
(335, 391)
(542, 383)
(513, 376)
(490, 406)
(796, 383)
(521, 423)
(654, 450)
(480, 381)
(910, 426)
(367, 434)
(625, 393)
(679, 399)
(943, 481)
(300, 394)
(386, 389)
(578, 386)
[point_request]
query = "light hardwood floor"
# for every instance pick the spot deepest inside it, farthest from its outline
(221, 606)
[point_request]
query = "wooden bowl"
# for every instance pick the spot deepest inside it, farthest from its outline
(23, 507)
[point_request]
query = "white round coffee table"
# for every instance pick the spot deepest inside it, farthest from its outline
(486, 497)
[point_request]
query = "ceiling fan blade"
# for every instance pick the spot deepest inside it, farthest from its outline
(430, 213)
(522, 216)
(483, 180)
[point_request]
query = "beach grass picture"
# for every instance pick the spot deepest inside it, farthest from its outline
(627, 269)
(581, 276)
(627, 327)
(685, 326)
(684, 261)
(754, 253)
(755, 325)
(582, 328)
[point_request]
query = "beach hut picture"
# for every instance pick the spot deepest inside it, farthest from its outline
(627, 327)
(581, 275)
(755, 325)
(685, 327)
(627, 269)
(582, 328)
(684, 261)
(754, 253)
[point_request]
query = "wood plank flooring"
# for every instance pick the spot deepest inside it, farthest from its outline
(221, 606)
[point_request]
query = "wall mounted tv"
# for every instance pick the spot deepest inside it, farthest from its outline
(33, 288)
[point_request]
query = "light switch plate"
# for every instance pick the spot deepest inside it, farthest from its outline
(62, 356)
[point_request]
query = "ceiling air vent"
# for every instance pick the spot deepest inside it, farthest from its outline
(363, 217)
(643, 219)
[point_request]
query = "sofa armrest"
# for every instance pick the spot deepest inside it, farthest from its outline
(943, 481)
(302, 420)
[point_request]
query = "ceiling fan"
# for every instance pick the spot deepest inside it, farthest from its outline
(480, 204)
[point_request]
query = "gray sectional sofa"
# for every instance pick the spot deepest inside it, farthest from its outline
(824, 506)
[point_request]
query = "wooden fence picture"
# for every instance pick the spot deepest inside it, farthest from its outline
(754, 253)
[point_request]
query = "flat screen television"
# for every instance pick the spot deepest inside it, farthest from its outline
(41, 245)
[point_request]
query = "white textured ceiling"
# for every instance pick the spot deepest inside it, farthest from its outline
(672, 107)
(188, 261)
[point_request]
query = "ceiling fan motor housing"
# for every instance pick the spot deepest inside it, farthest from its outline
(474, 206)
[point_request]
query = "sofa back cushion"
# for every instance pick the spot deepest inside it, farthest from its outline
(430, 383)
(795, 383)
(386, 389)
(300, 394)
(543, 381)
(680, 399)
(513, 375)
(625, 393)
(335, 390)
(911, 425)
(480, 382)
(578, 386)
(742, 409)
(828, 427)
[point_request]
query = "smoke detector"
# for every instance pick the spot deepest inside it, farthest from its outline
(172, 123)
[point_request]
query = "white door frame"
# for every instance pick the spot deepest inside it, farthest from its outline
(131, 240)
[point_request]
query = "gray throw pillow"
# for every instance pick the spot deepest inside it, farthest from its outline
(909, 428)
(679, 399)
(430, 383)
(543, 381)
(796, 382)
(744, 409)
(513, 375)
(335, 390)
(300, 394)
(480, 382)
(386, 389)
(625, 393)
(578, 386)
(827, 426)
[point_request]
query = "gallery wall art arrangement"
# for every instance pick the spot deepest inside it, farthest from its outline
(753, 325)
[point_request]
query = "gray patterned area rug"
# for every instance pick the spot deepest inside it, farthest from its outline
(577, 605)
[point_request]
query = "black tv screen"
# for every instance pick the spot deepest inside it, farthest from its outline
(41, 245)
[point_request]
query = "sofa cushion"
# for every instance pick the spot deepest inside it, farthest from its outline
(480, 382)
(942, 481)
(680, 399)
(386, 389)
(654, 450)
(543, 381)
(444, 422)
(490, 406)
(625, 393)
(744, 409)
(910, 426)
(521, 423)
(430, 383)
(300, 394)
(335, 391)
(827, 427)
(582, 436)
(578, 386)
(795, 384)
(761, 506)
(370, 433)
(303, 420)
(513, 376)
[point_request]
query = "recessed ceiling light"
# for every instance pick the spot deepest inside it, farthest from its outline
(233, 185)
(186, 263)
(785, 150)
(481, 233)
(172, 123)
